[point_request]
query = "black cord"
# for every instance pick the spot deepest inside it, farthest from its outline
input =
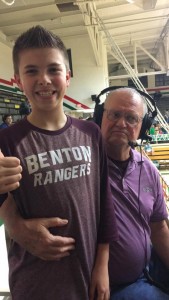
(154, 282)
(139, 208)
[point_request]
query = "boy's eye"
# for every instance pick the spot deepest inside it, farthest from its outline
(31, 71)
(54, 70)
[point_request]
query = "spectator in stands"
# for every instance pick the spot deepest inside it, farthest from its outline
(7, 121)
(152, 129)
(164, 131)
(157, 129)
(166, 115)
(24, 109)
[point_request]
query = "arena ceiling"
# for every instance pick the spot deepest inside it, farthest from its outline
(138, 29)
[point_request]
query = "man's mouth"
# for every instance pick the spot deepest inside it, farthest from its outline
(119, 132)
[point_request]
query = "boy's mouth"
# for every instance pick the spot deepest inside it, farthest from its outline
(45, 93)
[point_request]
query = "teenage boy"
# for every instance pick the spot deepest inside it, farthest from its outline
(64, 175)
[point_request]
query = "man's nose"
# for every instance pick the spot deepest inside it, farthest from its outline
(44, 79)
(121, 122)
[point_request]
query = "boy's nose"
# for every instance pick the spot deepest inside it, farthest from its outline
(44, 79)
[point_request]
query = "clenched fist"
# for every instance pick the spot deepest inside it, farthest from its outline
(10, 173)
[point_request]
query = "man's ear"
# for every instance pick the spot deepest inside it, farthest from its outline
(18, 81)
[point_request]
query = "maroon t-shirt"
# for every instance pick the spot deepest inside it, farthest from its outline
(65, 176)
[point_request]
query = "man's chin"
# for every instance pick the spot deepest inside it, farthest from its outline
(118, 142)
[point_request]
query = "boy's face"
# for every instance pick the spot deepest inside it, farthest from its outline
(43, 78)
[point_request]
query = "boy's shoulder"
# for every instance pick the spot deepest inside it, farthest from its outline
(23, 126)
(86, 126)
(85, 123)
(19, 126)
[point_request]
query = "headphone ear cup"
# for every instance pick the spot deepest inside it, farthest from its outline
(98, 114)
(146, 124)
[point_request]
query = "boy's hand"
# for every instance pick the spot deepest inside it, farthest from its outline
(10, 173)
(99, 287)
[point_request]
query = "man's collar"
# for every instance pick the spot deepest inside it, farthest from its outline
(136, 155)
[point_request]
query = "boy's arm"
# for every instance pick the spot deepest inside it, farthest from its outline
(33, 234)
(99, 288)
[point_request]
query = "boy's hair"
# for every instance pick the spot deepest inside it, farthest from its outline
(37, 37)
(5, 117)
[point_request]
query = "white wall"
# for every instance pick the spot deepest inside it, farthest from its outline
(6, 66)
(151, 81)
(88, 79)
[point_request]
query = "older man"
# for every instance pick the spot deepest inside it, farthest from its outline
(140, 207)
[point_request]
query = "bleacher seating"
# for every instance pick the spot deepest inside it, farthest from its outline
(160, 153)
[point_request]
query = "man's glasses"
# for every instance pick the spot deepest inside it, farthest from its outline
(131, 119)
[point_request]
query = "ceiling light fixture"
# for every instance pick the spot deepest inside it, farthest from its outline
(8, 3)
(130, 1)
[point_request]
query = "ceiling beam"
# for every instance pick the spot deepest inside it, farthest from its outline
(138, 74)
(149, 4)
(152, 57)
(90, 20)
(24, 7)
(145, 4)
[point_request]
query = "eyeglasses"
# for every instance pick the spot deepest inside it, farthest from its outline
(131, 119)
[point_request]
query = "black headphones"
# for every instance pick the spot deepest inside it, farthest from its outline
(147, 120)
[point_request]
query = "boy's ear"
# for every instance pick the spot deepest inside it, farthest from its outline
(68, 75)
(18, 81)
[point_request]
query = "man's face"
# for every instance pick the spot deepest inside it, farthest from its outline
(122, 118)
(43, 78)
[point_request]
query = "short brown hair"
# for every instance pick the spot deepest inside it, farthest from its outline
(37, 37)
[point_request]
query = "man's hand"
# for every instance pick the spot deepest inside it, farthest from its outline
(34, 236)
(10, 173)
